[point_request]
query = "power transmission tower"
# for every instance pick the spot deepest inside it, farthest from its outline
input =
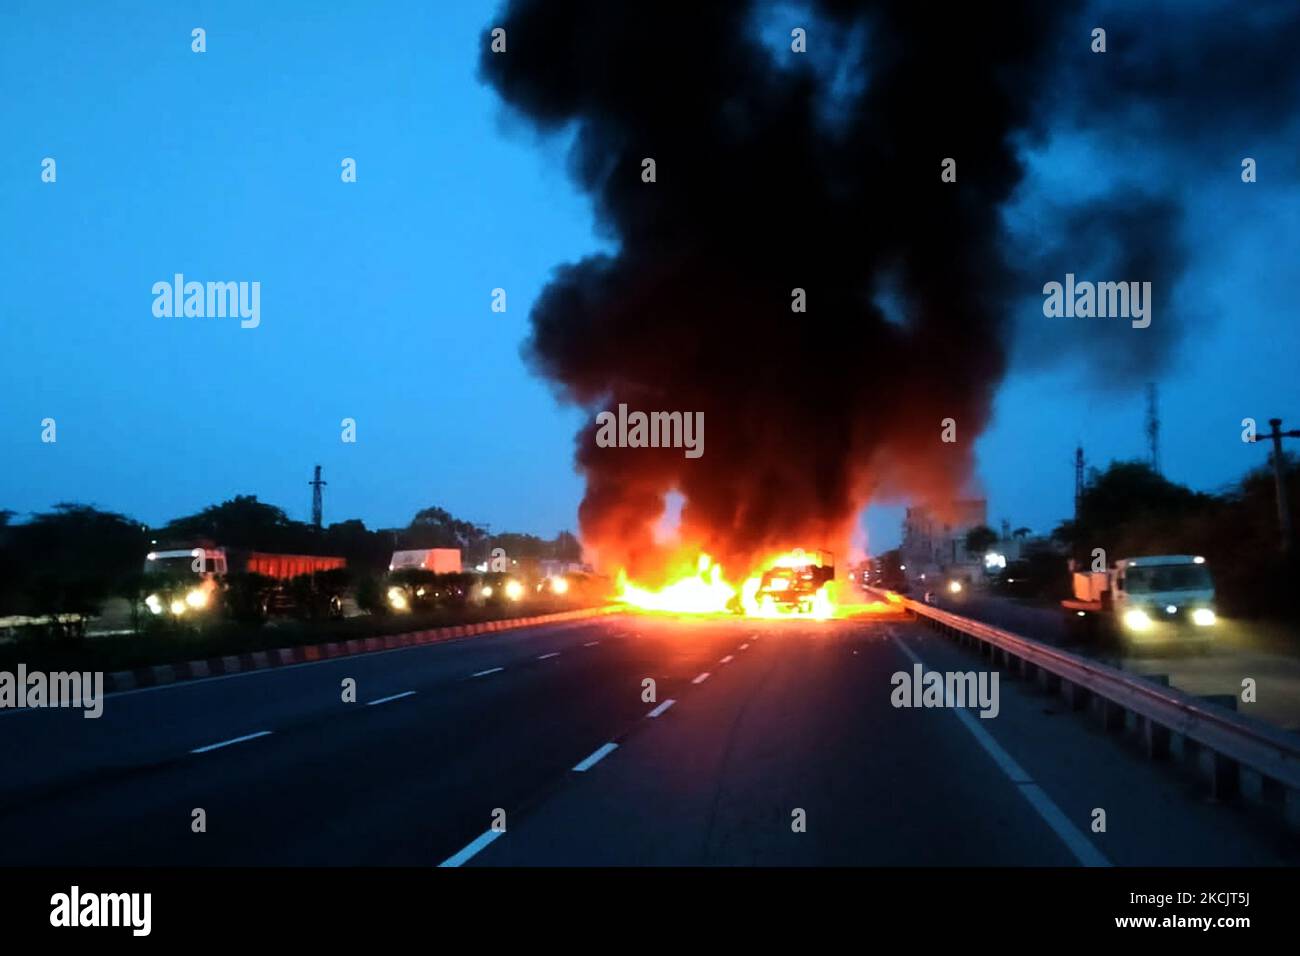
(1153, 426)
(316, 486)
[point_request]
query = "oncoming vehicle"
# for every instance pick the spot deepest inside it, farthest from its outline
(197, 580)
(187, 579)
(1151, 600)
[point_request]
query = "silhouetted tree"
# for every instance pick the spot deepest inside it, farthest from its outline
(566, 547)
(980, 539)
(68, 560)
(241, 522)
(438, 528)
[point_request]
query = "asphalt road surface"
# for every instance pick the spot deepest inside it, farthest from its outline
(766, 743)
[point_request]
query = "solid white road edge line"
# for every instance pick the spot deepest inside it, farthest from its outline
(1070, 835)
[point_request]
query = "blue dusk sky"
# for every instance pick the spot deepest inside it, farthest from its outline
(376, 296)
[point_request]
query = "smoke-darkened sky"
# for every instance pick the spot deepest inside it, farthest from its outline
(773, 173)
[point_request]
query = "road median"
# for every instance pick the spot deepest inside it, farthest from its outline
(161, 674)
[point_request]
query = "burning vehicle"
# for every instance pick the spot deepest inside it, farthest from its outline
(796, 583)
(792, 584)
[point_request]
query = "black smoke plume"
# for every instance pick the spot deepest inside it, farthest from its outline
(779, 170)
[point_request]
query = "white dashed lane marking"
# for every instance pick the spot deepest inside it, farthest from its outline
(661, 708)
(490, 670)
(384, 700)
(701, 678)
(227, 743)
(599, 754)
(726, 660)
(542, 657)
(472, 849)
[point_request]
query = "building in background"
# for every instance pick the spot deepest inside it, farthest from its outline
(934, 543)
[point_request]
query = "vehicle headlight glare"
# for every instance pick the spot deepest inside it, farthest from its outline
(1137, 620)
(1204, 617)
(397, 599)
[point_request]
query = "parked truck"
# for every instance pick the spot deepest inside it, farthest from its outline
(194, 580)
(1152, 600)
(437, 560)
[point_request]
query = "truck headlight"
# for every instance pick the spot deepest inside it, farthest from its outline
(1204, 617)
(514, 590)
(178, 607)
(397, 599)
(197, 598)
(154, 604)
(954, 587)
(1136, 619)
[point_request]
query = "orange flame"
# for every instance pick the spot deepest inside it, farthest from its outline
(706, 591)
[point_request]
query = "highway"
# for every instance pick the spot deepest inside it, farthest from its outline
(1239, 651)
(756, 727)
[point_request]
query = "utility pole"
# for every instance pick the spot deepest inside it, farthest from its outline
(316, 486)
(1153, 426)
(1279, 482)
(1078, 480)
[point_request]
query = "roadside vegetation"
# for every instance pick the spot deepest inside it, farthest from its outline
(61, 570)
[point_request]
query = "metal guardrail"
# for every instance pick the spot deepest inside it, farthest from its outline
(1230, 743)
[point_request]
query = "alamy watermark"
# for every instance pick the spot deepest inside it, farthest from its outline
(35, 689)
(1103, 300)
(651, 430)
(75, 908)
(946, 689)
(212, 300)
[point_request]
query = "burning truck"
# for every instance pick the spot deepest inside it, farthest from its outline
(796, 583)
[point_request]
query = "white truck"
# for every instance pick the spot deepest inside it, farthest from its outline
(437, 560)
(1151, 600)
